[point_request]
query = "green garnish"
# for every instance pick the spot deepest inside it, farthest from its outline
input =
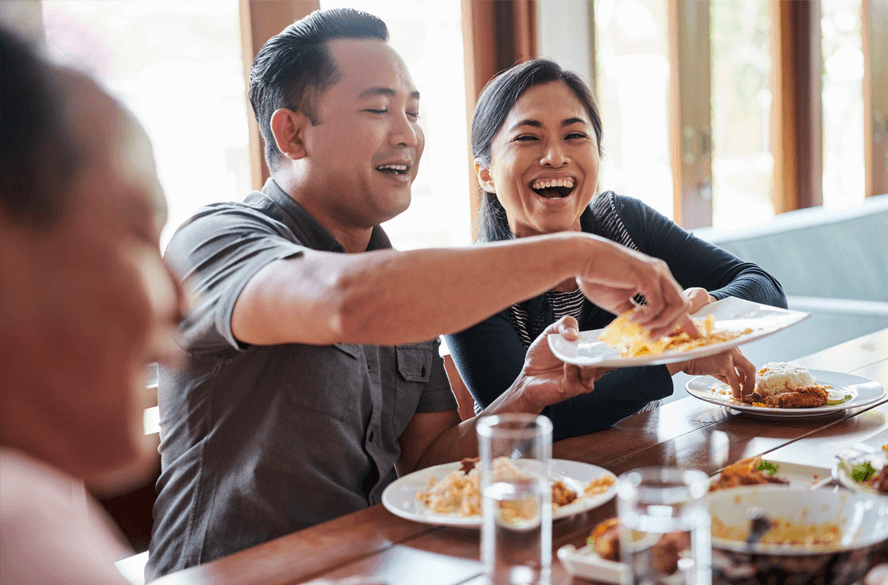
(846, 398)
(863, 471)
(768, 467)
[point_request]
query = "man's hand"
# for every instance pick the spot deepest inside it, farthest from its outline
(731, 366)
(545, 379)
(616, 274)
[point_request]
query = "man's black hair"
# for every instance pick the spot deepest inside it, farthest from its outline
(38, 156)
(294, 68)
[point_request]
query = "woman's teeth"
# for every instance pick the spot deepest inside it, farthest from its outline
(553, 188)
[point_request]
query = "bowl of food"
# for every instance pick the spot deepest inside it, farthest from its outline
(815, 536)
(865, 473)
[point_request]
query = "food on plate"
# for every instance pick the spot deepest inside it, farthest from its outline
(633, 340)
(605, 541)
(782, 532)
(781, 385)
(459, 493)
(867, 474)
(562, 495)
(751, 471)
(600, 485)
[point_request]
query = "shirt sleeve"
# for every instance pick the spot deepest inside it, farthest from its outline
(216, 253)
(695, 262)
(489, 357)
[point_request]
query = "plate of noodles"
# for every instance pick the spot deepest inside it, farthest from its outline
(783, 390)
(723, 324)
(450, 495)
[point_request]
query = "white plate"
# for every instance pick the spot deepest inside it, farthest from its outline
(798, 476)
(863, 391)
(731, 314)
(585, 562)
(399, 498)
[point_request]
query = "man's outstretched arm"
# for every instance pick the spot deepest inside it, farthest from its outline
(390, 297)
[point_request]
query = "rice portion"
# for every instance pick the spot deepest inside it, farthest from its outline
(774, 378)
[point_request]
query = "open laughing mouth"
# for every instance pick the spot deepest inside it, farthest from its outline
(553, 188)
(394, 169)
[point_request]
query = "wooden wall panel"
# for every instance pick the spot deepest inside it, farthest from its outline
(260, 20)
(796, 121)
(496, 35)
(690, 122)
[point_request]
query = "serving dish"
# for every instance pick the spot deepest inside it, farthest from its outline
(863, 525)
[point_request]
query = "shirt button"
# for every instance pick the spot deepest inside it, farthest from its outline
(423, 372)
(370, 437)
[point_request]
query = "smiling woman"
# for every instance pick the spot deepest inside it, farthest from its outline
(536, 138)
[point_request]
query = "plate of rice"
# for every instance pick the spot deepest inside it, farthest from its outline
(784, 390)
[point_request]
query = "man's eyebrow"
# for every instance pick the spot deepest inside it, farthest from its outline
(537, 124)
(386, 91)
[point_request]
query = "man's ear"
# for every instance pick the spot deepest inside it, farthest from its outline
(484, 178)
(288, 129)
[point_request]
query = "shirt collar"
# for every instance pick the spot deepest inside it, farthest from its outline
(319, 237)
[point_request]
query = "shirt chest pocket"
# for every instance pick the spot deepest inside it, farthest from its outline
(414, 363)
(330, 380)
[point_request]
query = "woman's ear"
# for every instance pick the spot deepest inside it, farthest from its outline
(288, 129)
(484, 178)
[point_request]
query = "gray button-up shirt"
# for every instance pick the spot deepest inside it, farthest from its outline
(260, 441)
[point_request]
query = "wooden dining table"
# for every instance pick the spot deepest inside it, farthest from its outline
(688, 433)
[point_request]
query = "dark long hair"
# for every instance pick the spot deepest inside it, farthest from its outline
(496, 101)
(498, 98)
(294, 68)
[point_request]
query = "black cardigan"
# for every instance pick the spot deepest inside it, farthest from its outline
(489, 355)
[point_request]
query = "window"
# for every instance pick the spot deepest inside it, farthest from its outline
(843, 157)
(178, 67)
(742, 164)
(632, 88)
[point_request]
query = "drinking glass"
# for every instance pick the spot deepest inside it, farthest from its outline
(665, 533)
(516, 500)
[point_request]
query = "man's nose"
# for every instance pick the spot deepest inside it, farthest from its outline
(404, 132)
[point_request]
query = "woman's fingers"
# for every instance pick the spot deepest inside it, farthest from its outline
(580, 379)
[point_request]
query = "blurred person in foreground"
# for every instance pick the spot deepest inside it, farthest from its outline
(313, 377)
(86, 302)
(537, 143)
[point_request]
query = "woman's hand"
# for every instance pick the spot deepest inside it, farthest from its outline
(731, 366)
(545, 379)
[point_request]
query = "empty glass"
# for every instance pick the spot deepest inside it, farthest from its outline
(665, 533)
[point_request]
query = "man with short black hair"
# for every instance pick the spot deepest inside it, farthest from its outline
(311, 382)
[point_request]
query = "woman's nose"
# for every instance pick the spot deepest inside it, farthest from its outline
(553, 155)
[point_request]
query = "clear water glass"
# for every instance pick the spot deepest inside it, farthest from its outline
(664, 526)
(516, 500)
